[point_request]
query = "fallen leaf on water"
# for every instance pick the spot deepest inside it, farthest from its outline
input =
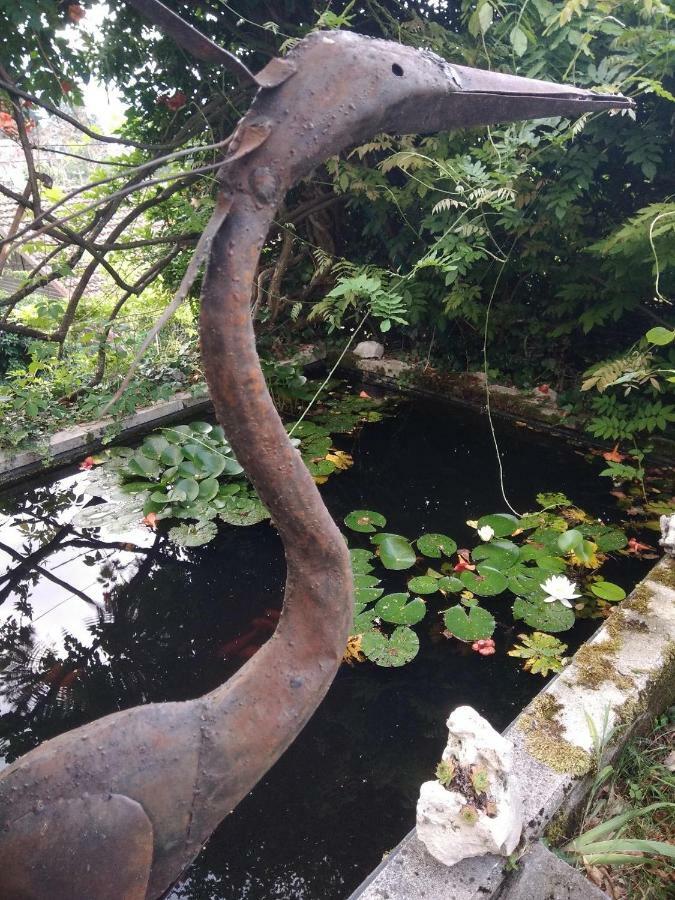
(340, 459)
(613, 455)
(150, 520)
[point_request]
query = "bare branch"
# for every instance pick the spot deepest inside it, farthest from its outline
(152, 165)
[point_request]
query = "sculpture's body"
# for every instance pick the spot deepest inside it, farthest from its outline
(120, 807)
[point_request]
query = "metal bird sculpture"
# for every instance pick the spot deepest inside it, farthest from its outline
(119, 808)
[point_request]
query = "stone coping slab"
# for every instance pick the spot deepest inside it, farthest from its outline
(73, 444)
(467, 389)
(541, 875)
(613, 686)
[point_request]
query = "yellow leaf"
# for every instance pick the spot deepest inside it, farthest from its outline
(320, 479)
(353, 653)
(340, 459)
(472, 523)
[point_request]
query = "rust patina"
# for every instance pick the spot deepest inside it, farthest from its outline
(119, 808)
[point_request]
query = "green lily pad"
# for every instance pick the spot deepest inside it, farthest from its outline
(363, 580)
(171, 455)
(395, 552)
(177, 434)
(153, 446)
(208, 489)
(364, 520)
(436, 545)
(423, 584)
(193, 535)
(363, 621)
(499, 554)
(570, 541)
(606, 590)
(139, 464)
(502, 524)
(395, 608)
(322, 468)
(605, 537)
(469, 625)
(396, 650)
(243, 511)
(450, 583)
(526, 581)
(361, 561)
(365, 595)
(201, 427)
(543, 616)
(542, 559)
(486, 581)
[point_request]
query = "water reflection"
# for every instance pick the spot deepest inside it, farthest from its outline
(90, 625)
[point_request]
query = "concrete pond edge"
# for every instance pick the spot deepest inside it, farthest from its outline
(73, 444)
(618, 680)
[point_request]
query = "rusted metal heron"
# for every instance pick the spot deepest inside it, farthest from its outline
(119, 808)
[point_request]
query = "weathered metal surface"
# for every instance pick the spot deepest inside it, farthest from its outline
(85, 807)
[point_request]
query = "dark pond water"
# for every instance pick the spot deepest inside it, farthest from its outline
(96, 625)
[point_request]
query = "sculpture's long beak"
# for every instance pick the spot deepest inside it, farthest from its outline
(479, 97)
(513, 97)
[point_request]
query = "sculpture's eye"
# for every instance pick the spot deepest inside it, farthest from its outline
(396, 69)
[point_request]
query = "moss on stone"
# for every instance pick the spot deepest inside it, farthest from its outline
(544, 739)
(594, 663)
(660, 685)
(639, 600)
(559, 827)
(664, 574)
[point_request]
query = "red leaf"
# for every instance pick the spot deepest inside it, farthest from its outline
(613, 455)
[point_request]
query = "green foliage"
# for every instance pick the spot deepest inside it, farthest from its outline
(529, 567)
(469, 625)
(542, 653)
(396, 650)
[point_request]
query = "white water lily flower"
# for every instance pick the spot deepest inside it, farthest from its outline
(559, 587)
(486, 533)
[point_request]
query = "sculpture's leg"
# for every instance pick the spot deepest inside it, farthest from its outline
(76, 849)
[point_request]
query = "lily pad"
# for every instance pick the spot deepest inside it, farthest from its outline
(605, 537)
(243, 511)
(436, 545)
(366, 595)
(361, 561)
(395, 608)
(486, 581)
(450, 583)
(396, 650)
(193, 535)
(171, 455)
(424, 584)
(363, 621)
(469, 625)
(543, 616)
(503, 524)
(363, 520)
(395, 552)
(153, 446)
(139, 464)
(606, 590)
(542, 559)
(499, 554)
(527, 582)
(364, 580)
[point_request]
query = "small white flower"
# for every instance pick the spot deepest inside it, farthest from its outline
(559, 587)
(486, 533)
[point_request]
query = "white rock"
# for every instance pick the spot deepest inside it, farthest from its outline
(369, 350)
(448, 829)
(667, 539)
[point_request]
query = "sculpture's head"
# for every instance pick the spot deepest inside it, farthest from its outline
(346, 88)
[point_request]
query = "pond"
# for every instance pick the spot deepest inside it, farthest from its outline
(94, 625)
